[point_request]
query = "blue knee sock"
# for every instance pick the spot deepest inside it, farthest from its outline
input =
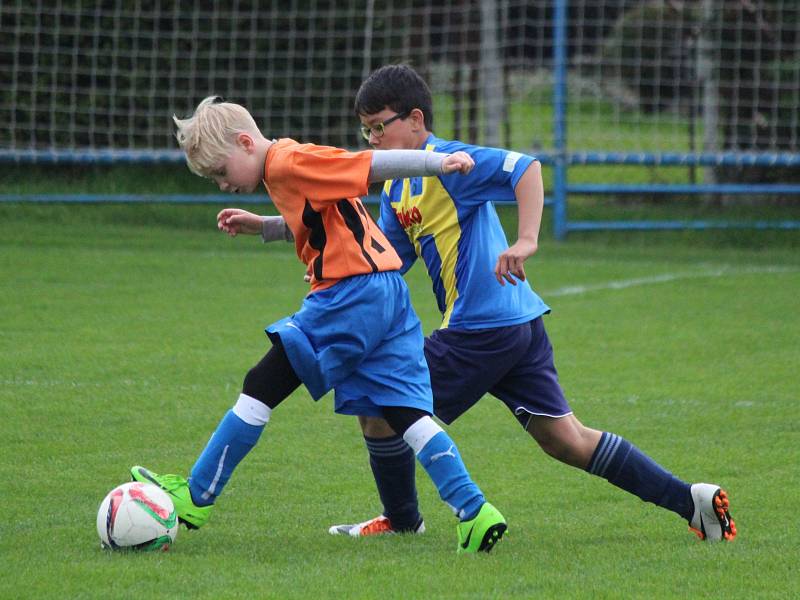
(439, 456)
(630, 469)
(234, 437)
(392, 462)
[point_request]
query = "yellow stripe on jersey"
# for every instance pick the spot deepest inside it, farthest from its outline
(433, 213)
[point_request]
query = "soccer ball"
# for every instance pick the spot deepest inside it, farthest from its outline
(137, 516)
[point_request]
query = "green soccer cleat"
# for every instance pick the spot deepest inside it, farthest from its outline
(177, 487)
(483, 532)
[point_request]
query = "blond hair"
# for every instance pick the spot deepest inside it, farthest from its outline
(208, 136)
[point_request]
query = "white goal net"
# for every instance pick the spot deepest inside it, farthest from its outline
(656, 76)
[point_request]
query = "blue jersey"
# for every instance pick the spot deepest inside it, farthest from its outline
(450, 222)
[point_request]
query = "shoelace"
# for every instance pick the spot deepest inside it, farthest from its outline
(171, 482)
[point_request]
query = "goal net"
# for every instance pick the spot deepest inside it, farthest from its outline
(80, 76)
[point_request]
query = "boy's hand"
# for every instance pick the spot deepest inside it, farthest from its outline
(457, 162)
(234, 221)
(512, 261)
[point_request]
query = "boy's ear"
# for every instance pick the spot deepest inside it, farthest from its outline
(245, 140)
(418, 118)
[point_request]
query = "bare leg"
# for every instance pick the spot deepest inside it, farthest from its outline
(566, 439)
(614, 458)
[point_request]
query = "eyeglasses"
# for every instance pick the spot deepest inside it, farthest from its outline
(380, 128)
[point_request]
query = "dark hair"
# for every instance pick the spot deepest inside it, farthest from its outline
(398, 87)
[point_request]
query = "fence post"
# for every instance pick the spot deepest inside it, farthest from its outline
(369, 24)
(705, 73)
(491, 74)
(559, 119)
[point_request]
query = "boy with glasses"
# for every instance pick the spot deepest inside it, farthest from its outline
(492, 337)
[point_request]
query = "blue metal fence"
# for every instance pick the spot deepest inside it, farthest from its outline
(561, 158)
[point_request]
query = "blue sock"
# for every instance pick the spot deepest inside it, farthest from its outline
(630, 469)
(393, 465)
(438, 455)
(229, 444)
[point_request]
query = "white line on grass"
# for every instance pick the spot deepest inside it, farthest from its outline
(574, 290)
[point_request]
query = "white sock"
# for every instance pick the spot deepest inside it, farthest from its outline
(420, 433)
(251, 411)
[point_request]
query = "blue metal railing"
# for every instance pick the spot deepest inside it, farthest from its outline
(90, 156)
(560, 158)
(243, 199)
(151, 156)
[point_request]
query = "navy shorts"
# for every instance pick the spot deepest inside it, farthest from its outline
(514, 364)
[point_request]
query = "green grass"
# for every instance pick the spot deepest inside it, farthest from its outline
(125, 333)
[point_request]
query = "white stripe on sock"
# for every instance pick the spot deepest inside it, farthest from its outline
(251, 411)
(608, 453)
(420, 433)
(213, 487)
(601, 454)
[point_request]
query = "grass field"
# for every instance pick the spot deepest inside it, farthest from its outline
(125, 333)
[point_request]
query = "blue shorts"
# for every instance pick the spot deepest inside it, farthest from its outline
(514, 364)
(362, 339)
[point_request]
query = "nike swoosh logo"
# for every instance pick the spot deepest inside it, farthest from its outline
(469, 535)
(146, 474)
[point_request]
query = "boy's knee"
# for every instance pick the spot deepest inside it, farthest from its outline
(400, 418)
(376, 427)
(553, 446)
(272, 379)
(565, 444)
(253, 384)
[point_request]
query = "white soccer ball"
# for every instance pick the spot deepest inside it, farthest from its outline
(137, 516)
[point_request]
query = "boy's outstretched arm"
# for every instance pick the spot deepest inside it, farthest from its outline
(530, 202)
(399, 164)
(234, 221)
